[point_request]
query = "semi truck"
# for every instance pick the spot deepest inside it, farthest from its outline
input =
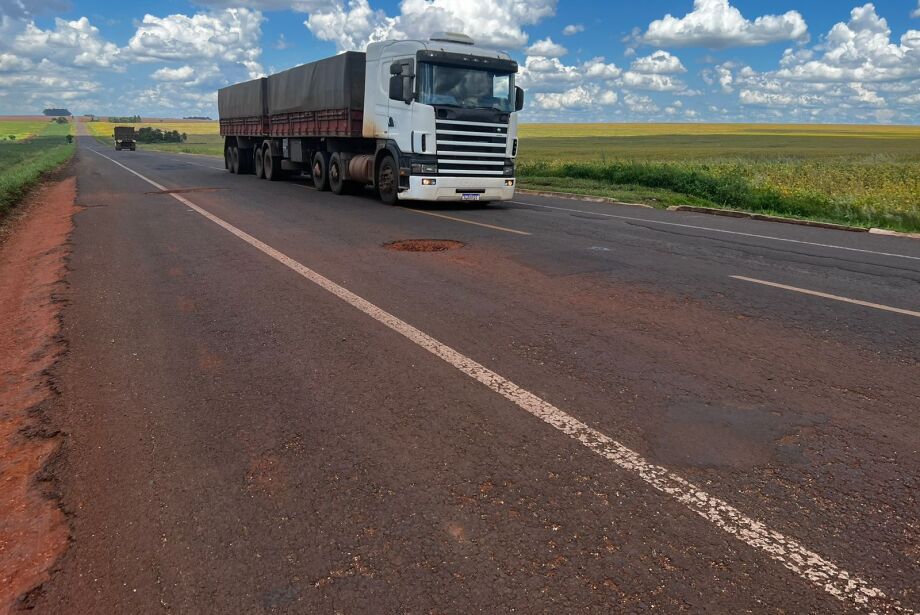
(431, 120)
(124, 138)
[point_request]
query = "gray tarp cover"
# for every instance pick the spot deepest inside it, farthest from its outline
(333, 83)
(124, 132)
(245, 99)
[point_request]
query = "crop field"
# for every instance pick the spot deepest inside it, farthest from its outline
(43, 147)
(860, 175)
(21, 129)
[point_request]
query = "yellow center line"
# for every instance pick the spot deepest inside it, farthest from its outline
(491, 226)
(815, 293)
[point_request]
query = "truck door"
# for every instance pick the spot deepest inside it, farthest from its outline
(399, 120)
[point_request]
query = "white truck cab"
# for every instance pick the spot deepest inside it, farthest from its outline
(447, 110)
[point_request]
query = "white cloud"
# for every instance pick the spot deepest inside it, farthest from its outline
(598, 68)
(660, 63)
(72, 43)
(916, 12)
(10, 63)
(581, 97)
(657, 83)
(640, 104)
(547, 48)
(717, 24)
(497, 23)
(575, 28)
(183, 73)
(860, 50)
(230, 36)
(540, 72)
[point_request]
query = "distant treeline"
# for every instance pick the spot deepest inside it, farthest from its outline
(155, 135)
(56, 112)
(197, 117)
(134, 119)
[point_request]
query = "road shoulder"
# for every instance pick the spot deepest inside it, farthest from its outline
(33, 529)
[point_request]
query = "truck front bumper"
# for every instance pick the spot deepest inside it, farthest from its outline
(458, 189)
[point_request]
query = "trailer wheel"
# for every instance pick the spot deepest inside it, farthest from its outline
(271, 166)
(259, 163)
(320, 171)
(235, 160)
(337, 182)
(387, 180)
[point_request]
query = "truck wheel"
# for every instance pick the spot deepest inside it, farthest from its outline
(235, 160)
(227, 158)
(337, 182)
(320, 171)
(259, 163)
(271, 166)
(388, 181)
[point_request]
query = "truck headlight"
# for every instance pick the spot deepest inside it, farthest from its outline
(429, 181)
(424, 168)
(509, 182)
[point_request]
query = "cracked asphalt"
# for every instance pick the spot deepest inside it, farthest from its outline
(238, 439)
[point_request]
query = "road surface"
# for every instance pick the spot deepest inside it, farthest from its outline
(587, 407)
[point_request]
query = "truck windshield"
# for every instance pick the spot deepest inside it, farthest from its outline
(465, 87)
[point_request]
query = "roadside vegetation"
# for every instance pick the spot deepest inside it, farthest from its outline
(39, 147)
(858, 175)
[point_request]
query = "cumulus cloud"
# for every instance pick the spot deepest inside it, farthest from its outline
(660, 63)
(230, 36)
(581, 97)
(575, 28)
(547, 48)
(860, 50)
(916, 12)
(183, 73)
(717, 24)
(497, 23)
(74, 43)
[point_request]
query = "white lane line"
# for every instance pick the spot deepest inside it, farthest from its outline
(806, 563)
(805, 291)
(719, 230)
(491, 226)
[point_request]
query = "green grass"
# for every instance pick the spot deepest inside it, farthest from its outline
(22, 163)
(203, 137)
(21, 129)
(859, 175)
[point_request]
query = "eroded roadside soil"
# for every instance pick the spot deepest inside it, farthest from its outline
(33, 529)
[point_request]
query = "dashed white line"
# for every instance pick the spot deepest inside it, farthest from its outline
(788, 552)
(815, 293)
(719, 230)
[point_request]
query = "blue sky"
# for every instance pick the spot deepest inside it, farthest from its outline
(659, 60)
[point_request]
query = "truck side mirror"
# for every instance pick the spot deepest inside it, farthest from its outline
(396, 87)
(518, 98)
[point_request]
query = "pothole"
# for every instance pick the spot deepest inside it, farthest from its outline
(424, 245)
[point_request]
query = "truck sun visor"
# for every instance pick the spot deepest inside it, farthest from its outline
(461, 59)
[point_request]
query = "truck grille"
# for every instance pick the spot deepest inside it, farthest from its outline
(471, 148)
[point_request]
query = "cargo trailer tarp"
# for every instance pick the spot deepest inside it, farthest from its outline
(245, 99)
(124, 132)
(332, 83)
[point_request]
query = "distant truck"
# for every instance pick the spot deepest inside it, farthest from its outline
(419, 120)
(125, 138)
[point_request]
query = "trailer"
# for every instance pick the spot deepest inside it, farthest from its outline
(417, 120)
(125, 138)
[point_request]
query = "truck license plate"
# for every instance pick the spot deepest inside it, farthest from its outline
(470, 196)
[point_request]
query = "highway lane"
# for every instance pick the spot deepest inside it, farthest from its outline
(796, 410)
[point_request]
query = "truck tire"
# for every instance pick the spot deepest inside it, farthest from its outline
(271, 166)
(258, 163)
(337, 182)
(388, 180)
(235, 160)
(320, 171)
(227, 158)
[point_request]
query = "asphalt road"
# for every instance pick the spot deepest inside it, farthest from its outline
(588, 407)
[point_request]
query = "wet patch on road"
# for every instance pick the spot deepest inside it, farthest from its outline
(423, 245)
(711, 435)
